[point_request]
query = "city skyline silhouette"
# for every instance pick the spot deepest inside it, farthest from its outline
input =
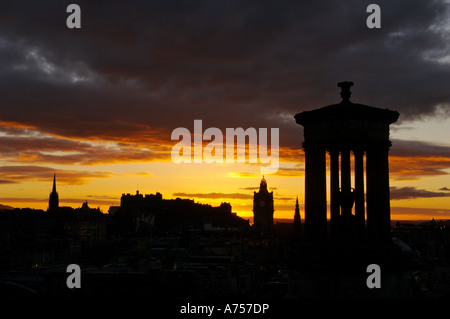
(344, 126)
(100, 113)
(186, 249)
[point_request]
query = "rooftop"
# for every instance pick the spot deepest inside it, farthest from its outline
(346, 110)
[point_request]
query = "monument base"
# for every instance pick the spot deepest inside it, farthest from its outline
(340, 270)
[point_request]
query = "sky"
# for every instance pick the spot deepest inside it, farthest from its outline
(97, 105)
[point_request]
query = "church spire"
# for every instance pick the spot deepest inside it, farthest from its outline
(53, 201)
(297, 221)
(54, 183)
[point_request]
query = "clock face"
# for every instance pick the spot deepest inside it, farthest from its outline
(262, 203)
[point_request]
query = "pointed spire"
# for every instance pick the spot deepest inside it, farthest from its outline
(53, 201)
(297, 221)
(54, 183)
(297, 210)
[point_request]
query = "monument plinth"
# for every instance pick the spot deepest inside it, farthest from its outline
(333, 264)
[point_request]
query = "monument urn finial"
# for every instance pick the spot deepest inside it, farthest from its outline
(345, 90)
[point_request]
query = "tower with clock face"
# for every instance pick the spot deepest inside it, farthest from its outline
(263, 210)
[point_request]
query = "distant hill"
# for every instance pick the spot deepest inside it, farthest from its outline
(283, 220)
(5, 207)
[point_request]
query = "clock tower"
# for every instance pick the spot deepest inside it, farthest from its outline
(263, 210)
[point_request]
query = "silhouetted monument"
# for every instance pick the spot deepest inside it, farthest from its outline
(53, 201)
(263, 210)
(297, 221)
(338, 130)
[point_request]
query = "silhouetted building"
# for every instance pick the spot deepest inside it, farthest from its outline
(151, 213)
(340, 129)
(297, 221)
(263, 210)
(84, 224)
(53, 201)
(335, 266)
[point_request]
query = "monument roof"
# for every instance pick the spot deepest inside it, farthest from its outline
(346, 110)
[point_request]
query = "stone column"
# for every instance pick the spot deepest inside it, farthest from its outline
(334, 192)
(346, 210)
(378, 199)
(315, 192)
(359, 190)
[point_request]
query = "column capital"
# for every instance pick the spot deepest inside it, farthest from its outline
(358, 151)
(380, 144)
(333, 151)
(313, 145)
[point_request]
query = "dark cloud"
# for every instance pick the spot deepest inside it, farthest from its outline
(5, 181)
(152, 66)
(256, 188)
(224, 196)
(401, 168)
(290, 172)
(413, 192)
(31, 145)
(20, 173)
(62, 201)
(409, 160)
(215, 195)
(410, 148)
(419, 213)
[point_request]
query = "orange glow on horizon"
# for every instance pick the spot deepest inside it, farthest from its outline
(99, 172)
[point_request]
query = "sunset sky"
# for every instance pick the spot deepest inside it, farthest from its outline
(97, 105)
